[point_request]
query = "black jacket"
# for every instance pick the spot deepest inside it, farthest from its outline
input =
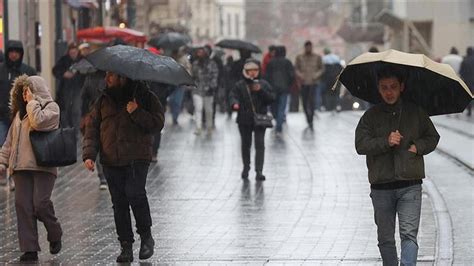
(69, 89)
(280, 72)
(93, 87)
(467, 71)
(9, 71)
(261, 99)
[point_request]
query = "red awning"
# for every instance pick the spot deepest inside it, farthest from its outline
(107, 34)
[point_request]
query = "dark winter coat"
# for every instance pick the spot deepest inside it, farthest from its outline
(261, 99)
(69, 90)
(93, 87)
(123, 138)
(9, 71)
(280, 72)
(467, 71)
(390, 164)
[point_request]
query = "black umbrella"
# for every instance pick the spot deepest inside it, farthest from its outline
(170, 40)
(431, 85)
(239, 45)
(140, 64)
(84, 67)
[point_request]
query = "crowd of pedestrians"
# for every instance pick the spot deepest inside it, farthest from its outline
(121, 120)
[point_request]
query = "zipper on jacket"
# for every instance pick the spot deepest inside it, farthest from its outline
(17, 147)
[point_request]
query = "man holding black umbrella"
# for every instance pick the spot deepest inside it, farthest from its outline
(394, 135)
(122, 126)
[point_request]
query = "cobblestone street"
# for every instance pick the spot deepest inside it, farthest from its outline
(314, 207)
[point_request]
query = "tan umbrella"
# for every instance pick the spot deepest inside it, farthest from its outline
(433, 86)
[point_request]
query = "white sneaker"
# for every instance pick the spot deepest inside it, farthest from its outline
(197, 131)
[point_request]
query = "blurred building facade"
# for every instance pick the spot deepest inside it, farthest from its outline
(440, 25)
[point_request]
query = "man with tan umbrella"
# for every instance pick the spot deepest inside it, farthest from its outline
(394, 135)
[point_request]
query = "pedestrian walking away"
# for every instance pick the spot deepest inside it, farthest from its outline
(395, 135)
(251, 96)
(467, 72)
(32, 108)
(70, 84)
(205, 74)
(10, 69)
(123, 122)
(94, 86)
(281, 75)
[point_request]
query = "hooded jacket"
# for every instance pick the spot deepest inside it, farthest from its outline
(280, 72)
(260, 99)
(42, 114)
(9, 71)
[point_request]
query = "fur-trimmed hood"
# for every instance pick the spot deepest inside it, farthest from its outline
(38, 88)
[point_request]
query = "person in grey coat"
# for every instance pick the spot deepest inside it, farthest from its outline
(395, 135)
(32, 108)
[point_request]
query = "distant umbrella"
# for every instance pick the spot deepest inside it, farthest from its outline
(83, 67)
(170, 40)
(433, 86)
(140, 64)
(238, 45)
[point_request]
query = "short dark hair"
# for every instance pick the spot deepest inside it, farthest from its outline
(308, 43)
(390, 71)
(470, 51)
(271, 48)
(454, 50)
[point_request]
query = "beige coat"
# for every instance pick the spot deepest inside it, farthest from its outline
(309, 67)
(17, 152)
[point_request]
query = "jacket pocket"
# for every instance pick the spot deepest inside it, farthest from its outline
(409, 165)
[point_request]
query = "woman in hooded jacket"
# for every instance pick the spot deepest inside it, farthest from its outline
(32, 108)
(247, 92)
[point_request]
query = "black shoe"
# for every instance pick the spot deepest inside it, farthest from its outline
(147, 248)
(55, 247)
(29, 256)
(260, 177)
(126, 255)
(245, 174)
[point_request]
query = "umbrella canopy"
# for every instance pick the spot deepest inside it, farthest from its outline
(84, 67)
(431, 85)
(170, 40)
(107, 34)
(140, 64)
(239, 45)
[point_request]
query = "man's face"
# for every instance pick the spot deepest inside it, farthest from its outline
(14, 55)
(252, 73)
(73, 53)
(390, 89)
(113, 80)
(85, 51)
(200, 53)
(308, 49)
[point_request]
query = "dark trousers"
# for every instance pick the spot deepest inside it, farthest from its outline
(127, 189)
(156, 143)
(307, 96)
(33, 202)
(246, 137)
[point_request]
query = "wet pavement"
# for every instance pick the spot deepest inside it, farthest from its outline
(314, 207)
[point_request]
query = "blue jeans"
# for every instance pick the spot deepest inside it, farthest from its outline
(176, 101)
(278, 110)
(406, 202)
(318, 99)
(4, 126)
